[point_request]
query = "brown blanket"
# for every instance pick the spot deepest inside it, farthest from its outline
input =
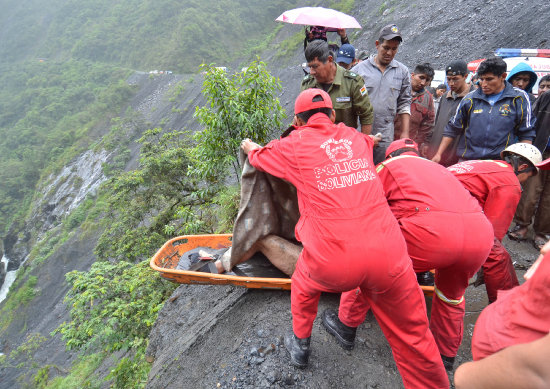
(269, 206)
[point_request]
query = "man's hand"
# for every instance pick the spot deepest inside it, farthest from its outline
(376, 138)
(436, 158)
(445, 142)
(247, 145)
(342, 32)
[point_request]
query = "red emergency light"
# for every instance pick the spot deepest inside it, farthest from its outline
(503, 52)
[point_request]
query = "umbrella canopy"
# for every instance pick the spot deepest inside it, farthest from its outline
(318, 16)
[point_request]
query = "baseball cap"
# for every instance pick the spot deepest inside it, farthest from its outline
(310, 99)
(406, 144)
(389, 32)
(346, 53)
(457, 67)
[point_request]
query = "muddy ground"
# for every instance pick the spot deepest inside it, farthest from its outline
(236, 340)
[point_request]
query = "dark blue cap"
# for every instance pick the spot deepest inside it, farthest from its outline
(346, 53)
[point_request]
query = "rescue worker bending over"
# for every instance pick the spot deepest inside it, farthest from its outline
(444, 229)
(511, 343)
(340, 199)
(496, 186)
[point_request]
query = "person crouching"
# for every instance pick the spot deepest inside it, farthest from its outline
(350, 238)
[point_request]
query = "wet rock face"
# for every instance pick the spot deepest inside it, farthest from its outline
(66, 190)
(2, 273)
(62, 193)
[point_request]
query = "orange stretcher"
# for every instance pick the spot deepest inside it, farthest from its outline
(167, 257)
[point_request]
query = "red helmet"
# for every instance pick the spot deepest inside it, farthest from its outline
(310, 99)
(400, 144)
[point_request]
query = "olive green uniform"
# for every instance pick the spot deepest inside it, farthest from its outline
(349, 97)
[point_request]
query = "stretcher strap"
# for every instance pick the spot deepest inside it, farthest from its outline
(446, 299)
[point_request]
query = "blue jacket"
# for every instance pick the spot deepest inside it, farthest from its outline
(523, 67)
(486, 130)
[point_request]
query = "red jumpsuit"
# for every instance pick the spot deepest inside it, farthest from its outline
(496, 187)
(445, 230)
(341, 199)
(520, 315)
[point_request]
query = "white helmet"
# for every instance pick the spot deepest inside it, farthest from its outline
(525, 150)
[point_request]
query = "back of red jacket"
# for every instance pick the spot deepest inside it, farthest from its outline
(481, 177)
(413, 184)
(330, 166)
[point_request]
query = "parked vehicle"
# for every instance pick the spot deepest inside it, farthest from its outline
(538, 59)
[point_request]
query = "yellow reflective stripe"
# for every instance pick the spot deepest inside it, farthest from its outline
(501, 164)
(382, 164)
(447, 300)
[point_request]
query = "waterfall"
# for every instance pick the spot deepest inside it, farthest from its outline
(10, 278)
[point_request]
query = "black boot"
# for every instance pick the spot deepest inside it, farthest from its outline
(425, 278)
(448, 362)
(344, 334)
(298, 349)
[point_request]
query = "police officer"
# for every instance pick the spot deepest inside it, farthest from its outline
(346, 89)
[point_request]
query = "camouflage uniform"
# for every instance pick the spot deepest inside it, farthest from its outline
(349, 97)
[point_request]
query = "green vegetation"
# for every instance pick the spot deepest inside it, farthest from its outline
(387, 5)
(62, 69)
(113, 307)
(82, 375)
(288, 46)
(180, 186)
(239, 106)
(162, 34)
(345, 6)
(154, 191)
(46, 112)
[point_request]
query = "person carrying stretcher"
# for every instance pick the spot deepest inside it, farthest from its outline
(340, 199)
(445, 230)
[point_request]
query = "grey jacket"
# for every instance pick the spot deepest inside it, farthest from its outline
(389, 93)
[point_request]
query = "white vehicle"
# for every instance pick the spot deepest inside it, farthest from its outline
(439, 78)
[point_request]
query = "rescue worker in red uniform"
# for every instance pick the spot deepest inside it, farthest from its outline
(444, 229)
(520, 315)
(497, 187)
(340, 199)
